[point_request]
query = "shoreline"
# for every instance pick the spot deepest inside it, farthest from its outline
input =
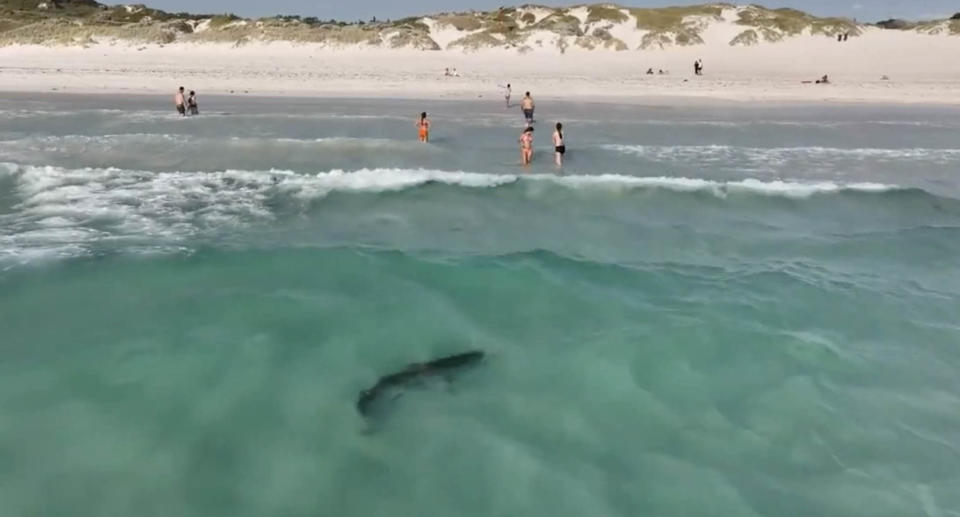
(658, 100)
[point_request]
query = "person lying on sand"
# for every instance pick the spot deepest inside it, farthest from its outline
(822, 80)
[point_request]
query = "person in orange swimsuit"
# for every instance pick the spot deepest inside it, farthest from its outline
(423, 127)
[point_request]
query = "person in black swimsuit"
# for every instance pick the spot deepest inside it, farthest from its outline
(559, 147)
(192, 107)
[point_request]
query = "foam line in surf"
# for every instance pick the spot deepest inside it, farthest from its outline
(36, 181)
(774, 154)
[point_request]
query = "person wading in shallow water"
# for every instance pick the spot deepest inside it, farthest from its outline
(423, 128)
(178, 101)
(527, 106)
(192, 107)
(526, 146)
(559, 149)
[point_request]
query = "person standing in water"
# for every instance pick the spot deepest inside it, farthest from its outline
(506, 94)
(179, 102)
(192, 107)
(526, 146)
(527, 106)
(423, 128)
(559, 149)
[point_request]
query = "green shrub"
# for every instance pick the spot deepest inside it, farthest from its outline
(220, 20)
(461, 22)
(605, 13)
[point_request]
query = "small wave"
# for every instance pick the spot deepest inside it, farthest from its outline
(68, 211)
(40, 183)
(776, 155)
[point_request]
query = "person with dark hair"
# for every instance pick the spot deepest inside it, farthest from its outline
(526, 146)
(527, 106)
(192, 107)
(179, 102)
(423, 128)
(559, 148)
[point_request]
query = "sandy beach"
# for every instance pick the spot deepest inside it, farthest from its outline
(918, 68)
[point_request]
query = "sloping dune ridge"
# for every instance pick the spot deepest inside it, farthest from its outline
(605, 50)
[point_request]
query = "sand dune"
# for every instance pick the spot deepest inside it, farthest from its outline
(582, 52)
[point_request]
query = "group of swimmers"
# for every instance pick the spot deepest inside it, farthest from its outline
(526, 145)
(186, 105)
(527, 106)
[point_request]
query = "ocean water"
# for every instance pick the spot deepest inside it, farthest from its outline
(713, 310)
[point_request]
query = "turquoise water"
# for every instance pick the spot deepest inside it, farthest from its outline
(714, 310)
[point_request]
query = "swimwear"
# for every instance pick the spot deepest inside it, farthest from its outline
(526, 139)
(560, 149)
(528, 114)
(181, 110)
(424, 132)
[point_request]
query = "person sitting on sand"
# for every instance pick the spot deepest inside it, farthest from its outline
(559, 149)
(649, 71)
(526, 146)
(192, 107)
(179, 102)
(823, 80)
(661, 72)
(527, 106)
(423, 128)
(446, 72)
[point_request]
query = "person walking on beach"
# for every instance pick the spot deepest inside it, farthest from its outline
(506, 94)
(559, 149)
(526, 146)
(179, 102)
(527, 106)
(192, 107)
(423, 128)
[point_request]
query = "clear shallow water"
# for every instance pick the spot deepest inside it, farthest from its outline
(710, 311)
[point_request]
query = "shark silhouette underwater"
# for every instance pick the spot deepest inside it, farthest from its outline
(415, 375)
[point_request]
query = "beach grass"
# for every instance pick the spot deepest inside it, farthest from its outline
(477, 41)
(461, 22)
(606, 13)
(670, 19)
(80, 22)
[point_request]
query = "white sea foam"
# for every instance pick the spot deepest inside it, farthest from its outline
(779, 155)
(66, 211)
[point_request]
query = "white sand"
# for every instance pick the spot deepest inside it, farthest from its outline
(922, 69)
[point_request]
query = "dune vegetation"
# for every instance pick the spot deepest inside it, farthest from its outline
(591, 27)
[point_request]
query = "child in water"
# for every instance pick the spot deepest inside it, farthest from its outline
(423, 127)
(192, 107)
(526, 146)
